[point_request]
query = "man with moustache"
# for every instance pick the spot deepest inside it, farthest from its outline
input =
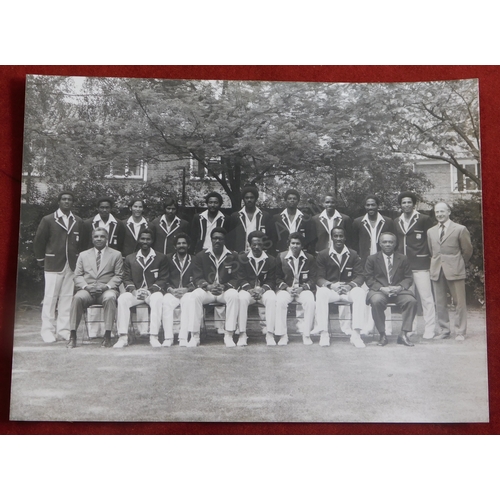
(179, 286)
(215, 275)
(451, 248)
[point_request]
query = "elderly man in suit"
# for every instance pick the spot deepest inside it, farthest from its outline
(98, 275)
(145, 275)
(295, 280)
(340, 277)
(451, 248)
(57, 244)
(256, 281)
(389, 279)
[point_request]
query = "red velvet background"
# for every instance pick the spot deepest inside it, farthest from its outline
(12, 81)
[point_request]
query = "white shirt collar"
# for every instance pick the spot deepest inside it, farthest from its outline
(244, 212)
(446, 224)
(151, 253)
(60, 214)
(164, 218)
(336, 214)
(102, 251)
(97, 218)
(204, 215)
(297, 213)
(225, 251)
(333, 251)
(131, 220)
(257, 259)
(290, 255)
(379, 218)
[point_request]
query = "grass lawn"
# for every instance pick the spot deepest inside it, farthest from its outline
(435, 381)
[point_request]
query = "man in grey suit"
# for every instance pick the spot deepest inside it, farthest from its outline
(98, 275)
(451, 248)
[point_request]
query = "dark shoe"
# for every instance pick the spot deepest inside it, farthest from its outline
(106, 342)
(441, 336)
(383, 340)
(71, 342)
(403, 339)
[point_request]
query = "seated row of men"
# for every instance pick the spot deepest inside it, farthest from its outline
(218, 275)
(437, 254)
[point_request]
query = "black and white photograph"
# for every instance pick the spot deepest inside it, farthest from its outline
(250, 251)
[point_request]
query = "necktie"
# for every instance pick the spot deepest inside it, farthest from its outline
(389, 267)
(441, 236)
(98, 260)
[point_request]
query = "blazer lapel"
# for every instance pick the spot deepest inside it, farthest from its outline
(383, 269)
(450, 231)
(104, 260)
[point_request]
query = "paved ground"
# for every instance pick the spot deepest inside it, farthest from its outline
(435, 381)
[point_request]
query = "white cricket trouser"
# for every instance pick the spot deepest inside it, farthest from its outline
(268, 300)
(283, 298)
(356, 296)
(422, 280)
(201, 297)
(170, 303)
(59, 289)
(127, 300)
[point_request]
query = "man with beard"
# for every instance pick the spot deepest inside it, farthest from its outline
(179, 285)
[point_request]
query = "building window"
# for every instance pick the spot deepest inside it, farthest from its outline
(198, 171)
(460, 183)
(130, 168)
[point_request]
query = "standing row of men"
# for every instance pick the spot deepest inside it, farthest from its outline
(436, 254)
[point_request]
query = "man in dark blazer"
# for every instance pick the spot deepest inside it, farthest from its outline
(249, 218)
(145, 275)
(215, 276)
(56, 245)
(451, 248)
(389, 279)
(340, 277)
(295, 280)
(411, 230)
(256, 282)
(167, 226)
(98, 275)
(179, 286)
(106, 220)
(291, 220)
(133, 226)
(366, 231)
(207, 220)
(326, 221)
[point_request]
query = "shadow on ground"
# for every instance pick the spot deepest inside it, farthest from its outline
(435, 381)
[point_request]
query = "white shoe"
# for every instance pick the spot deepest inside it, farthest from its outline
(153, 340)
(460, 338)
(228, 340)
(168, 343)
(306, 340)
(283, 340)
(242, 340)
(366, 332)
(64, 336)
(356, 340)
(195, 340)
(48, 338)
(270, 339)
(122, 342)
(183, 343)
(428, 336)
(324, 340)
